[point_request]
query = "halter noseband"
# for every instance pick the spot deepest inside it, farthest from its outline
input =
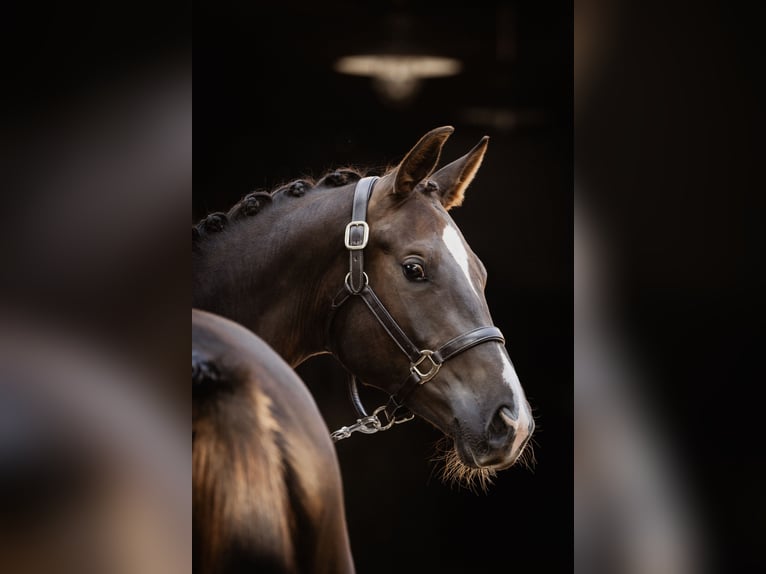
(424, 363)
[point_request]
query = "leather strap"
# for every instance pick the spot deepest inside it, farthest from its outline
(380, 312)
(467, 340)
(447, 351)
(357, 234)
(356, 400)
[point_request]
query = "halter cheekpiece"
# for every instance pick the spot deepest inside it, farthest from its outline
(424, 363)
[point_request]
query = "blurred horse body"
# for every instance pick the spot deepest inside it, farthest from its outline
(267, 494)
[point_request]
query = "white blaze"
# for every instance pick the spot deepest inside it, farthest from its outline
(511, 379)
(455, 246)
(457, 249)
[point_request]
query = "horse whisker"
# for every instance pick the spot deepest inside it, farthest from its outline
(455, 473)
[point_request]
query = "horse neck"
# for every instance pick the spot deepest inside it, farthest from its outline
(277, 272)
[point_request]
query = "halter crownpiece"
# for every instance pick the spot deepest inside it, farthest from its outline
(424, 363)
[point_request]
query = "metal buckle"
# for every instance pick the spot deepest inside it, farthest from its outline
(431, 373)
(365, 235)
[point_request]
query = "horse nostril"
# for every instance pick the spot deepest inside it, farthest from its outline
(508, 416)
(502, 428)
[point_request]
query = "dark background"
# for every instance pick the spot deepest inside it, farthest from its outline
(270, 108)
(672, 161)
(670, 157)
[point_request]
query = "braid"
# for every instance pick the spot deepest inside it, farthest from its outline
(255, 202)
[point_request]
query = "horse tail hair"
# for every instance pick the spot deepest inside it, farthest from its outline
(240, 499)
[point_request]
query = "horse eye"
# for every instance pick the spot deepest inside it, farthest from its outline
(414, 271)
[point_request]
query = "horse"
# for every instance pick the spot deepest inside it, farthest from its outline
(374, 271)
(267, 493)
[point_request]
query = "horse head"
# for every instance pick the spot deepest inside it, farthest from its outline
(431, 284)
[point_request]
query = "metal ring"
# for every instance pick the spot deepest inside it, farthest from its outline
(406, 419)
(349, 287)
(390, 421)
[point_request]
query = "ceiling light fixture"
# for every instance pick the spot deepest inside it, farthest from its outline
(400, 58)
(398, 76)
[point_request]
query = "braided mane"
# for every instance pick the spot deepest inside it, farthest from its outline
(255, 202)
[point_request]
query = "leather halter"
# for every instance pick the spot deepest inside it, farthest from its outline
(424, 363)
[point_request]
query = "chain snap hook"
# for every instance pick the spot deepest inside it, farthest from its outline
(372, 423)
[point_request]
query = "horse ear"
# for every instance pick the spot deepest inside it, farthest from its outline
(421, 160)
(454, 178)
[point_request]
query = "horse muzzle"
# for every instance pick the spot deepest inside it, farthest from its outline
(501, 443)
